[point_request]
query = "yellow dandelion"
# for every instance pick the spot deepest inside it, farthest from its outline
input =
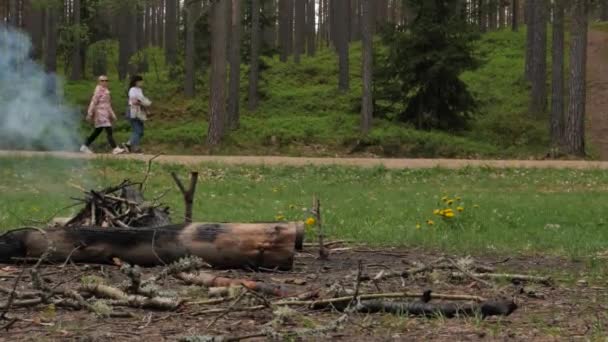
(430, 222)
(448, 210)
(460, 209)
(437, 212)
(449, 215)
(418, 226)
(280, 217)
(310, 221)
(450, 202)
(444, 198)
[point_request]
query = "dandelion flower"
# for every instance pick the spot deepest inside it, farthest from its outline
(450, 202)
(460, 209)
(449, 215)
(418, 226)
(430, 222)
(437, 212)
(280, 217)
(444, 198)
(310, 221)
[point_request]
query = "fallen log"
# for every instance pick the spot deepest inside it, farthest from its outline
(211, 280)
(506, 276)
(448, 310)
(222, 245)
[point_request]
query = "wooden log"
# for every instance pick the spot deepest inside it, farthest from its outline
(222, 245)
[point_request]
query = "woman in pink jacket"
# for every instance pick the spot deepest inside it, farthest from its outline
(101, 114)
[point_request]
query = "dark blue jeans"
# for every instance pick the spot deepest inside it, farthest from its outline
(137, 133)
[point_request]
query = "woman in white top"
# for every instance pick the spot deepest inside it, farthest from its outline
(137, 113)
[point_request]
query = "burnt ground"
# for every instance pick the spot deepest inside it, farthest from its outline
(574, 307)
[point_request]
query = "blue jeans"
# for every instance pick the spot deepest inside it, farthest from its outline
(138, 132)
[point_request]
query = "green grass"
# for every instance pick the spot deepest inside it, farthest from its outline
(557, 212)
(303, 113)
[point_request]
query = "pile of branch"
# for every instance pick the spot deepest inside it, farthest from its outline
(119, 206)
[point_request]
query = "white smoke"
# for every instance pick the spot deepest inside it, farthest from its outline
(31, 116)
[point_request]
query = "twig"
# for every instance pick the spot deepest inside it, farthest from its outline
(11, 296)
(65, 263)
(154, 249)
(236, 301)
(10, 323)
(357, 284)
(142, 186)
(472, 275)
(316, 211)
(187, 194)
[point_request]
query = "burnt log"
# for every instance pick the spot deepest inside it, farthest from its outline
(448, 310)
(222, 245)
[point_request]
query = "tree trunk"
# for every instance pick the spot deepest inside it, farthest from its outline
(501, 14)
(300, 29)
(539, 59)
(367, 104)
(290, 26)
(481, 14)
(76, 62)
(217, 98)
(530, 27)
(270, 30)
(355, 23)
(33, 21)
(342, 38)
(283, 30)
(223, 245)
(557, 94)
(492, 9)
(235, 66)
(604, 10)
(13, 13)
(255, 52)
(515, 15)
(193, 14)
(575, 122)
(310, 28)
(50, 52)
(147, 25)
(123, 40)
(171, 31)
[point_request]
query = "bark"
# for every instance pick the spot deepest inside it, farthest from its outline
(604, 10)
(193, 12)
(211, 280)
(171, 31)
(290, 26)
(575, 122)
(223, 245)
(492, 9)
(481, 14)
(557, 94)
(76, 62)
(367, 104)
(342, 41)
(217, 99)
(355, 22)
(235, 66)
(254, 72)
(538, 103)
(530, 28)
(310, 27)
(147, 25)
(515, 15)
(501, 14)
(300, 29)
(50, 52)
(123, 17)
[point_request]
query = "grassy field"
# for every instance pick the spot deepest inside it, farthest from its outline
(554, 212)
(302, 112)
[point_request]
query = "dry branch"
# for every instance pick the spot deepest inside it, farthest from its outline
(506, 276)
(448, 310)
(188, 194)
(210, 280)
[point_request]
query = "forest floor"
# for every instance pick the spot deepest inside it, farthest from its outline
(569, 308)
(597, 92)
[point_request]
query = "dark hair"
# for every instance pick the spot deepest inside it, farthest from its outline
(134, 80)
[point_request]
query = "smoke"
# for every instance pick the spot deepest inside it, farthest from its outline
(32, 115)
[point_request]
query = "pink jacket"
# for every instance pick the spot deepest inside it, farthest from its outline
(100, 110)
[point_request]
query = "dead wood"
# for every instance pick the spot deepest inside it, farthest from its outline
(316, 211)
(448, 310)
(119, 298)
(187, 194)
(211, 280)
(516, 278)
(223, 245)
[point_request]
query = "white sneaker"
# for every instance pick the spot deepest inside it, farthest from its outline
(85, 149)
(118, 150)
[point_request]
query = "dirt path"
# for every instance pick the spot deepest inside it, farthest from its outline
(356, 162)
(597, 92)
